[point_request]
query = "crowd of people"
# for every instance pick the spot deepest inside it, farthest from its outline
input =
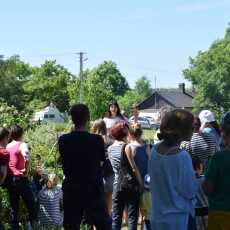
(113, 177)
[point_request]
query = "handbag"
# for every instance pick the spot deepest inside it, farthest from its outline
(127, 181)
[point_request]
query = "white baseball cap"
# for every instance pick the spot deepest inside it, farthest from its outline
(206, 116)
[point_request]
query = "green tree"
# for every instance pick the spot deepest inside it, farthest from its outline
(143, 87)
(9, 115)
(13, 73)
(48, 83)
(129, 101)
(133, 97)
(108, 74)
(209, 73)
(101, 84)
(96, 95)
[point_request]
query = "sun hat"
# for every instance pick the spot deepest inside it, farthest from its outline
(206, 116)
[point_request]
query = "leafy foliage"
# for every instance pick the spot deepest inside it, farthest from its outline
(9, 115)
(110, 77)
(209, 73)
(101, 85)
(141, 91)
(48, 84)
(42, 140)
(129, 101)
(13, 73)
(143, 87)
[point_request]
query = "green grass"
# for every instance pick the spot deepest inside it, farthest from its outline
(148, 135)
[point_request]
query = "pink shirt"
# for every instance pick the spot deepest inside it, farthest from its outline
(18, 156)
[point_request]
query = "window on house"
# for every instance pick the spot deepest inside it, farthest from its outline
(46, 116)
(51, 116)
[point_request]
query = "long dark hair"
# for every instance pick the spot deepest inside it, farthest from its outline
(196, 124)
(118, 109)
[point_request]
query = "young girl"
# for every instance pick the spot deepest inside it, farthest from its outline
(217, 183)
(121, 199)
(18, 183)
(173, 182)
(139, 153)
(99, 128)
(50, 200)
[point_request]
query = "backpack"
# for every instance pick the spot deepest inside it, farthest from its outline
(127, 181)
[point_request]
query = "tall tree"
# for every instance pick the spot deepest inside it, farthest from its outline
(133, 97)
(143, 87)
(109, 75)
(129, 101)
(209, 73)
(101, 85)
(49, 83)
(13, 73)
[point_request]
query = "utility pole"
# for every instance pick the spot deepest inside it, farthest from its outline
(81, 60)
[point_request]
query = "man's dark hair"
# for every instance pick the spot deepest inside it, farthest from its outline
(4, 133)
(16, 132)
(80, 114)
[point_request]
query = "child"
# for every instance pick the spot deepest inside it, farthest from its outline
(50, 200)
(141, 153)
(217, 182)
(173, 183)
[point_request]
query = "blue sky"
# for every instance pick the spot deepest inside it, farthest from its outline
(149, 37)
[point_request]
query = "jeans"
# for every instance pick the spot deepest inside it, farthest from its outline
(79, 203)
(120, 200)
(20, 187)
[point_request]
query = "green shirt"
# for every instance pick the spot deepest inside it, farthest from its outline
(218, 174)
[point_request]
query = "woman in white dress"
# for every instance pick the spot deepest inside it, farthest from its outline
(113, 115)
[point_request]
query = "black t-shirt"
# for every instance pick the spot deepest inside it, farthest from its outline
(81, 156)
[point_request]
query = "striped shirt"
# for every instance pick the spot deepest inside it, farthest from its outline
(50, 207)
(114, 153)
(201, 145)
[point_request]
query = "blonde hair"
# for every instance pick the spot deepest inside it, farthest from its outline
(135, 130)
(52, 180)
(99, 127)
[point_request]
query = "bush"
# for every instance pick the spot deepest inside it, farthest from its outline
(9, 115)
(42, 140)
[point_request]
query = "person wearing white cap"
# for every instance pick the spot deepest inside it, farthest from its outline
(209, 125)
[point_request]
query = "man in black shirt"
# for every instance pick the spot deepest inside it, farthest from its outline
(82, 154)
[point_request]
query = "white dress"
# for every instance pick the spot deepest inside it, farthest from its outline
(110, 122)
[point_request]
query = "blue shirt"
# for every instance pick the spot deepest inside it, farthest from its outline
(214, 134)
(173, 184)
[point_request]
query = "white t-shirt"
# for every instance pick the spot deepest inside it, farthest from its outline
(110, 122)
